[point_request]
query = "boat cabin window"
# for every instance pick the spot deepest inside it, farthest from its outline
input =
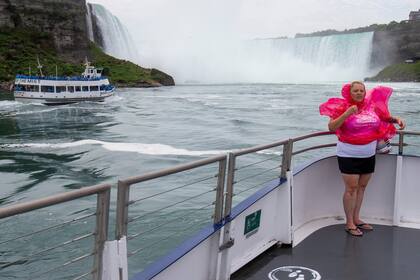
(102, 87)
(18, 87)
(94, 88)
(70, 88)
(60, 89)
(47, 88)
(31, 88)
(77, 88)
(85, 88)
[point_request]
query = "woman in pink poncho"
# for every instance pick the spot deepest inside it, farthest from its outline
(359, 120)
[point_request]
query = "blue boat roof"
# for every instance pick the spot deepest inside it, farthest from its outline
(59, 78)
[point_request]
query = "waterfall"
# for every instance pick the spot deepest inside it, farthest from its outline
(341, 57)
(89, 23)
(326, 58)
(114, 37)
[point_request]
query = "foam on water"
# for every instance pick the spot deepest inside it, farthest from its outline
(34, 111)
(141, 148)
(113, 99)
(9, 104)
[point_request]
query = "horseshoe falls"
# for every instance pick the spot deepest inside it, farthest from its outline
(111, 34)
(299, 60)
(327, 58)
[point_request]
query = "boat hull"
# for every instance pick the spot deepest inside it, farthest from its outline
(58, 101)
(55, 99)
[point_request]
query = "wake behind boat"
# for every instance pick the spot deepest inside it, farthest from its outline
(55, 90)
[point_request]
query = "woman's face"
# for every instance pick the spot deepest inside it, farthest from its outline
(358, 92)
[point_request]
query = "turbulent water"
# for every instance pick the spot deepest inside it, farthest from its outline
(312, 59)
(116, 38)
(46, 150)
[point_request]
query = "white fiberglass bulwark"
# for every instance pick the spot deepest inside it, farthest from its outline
(391, 197)
(291, 210)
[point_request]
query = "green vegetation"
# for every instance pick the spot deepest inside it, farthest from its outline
(120, 71)
(19, 50)
(393, 25)
(401, 72)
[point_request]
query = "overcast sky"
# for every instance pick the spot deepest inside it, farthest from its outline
(155, 19)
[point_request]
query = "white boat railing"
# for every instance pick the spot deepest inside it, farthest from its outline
(195, 196)
(227, 177)
(99, 234)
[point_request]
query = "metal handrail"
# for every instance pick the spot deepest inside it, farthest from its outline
(311, 135)
(258, 148)
(24, 207)
(314, 148)
(287, 155)
(123, 196)
(102, 217)
(255, 163)
(407, 132)
(171, 170)
(130, 220)
(133, 201)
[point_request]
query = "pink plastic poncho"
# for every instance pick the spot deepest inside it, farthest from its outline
(369, 124)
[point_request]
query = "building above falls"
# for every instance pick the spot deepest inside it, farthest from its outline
(414, 15)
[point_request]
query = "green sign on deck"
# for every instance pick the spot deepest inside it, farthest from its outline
(252, 223)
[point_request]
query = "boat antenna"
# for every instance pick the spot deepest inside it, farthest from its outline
(56, 72)
(39, 66)
(87, 63)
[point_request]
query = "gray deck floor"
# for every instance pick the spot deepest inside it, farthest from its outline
(383, 254)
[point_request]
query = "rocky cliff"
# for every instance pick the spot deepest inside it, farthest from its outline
(65, 20)
(57, 31)
(395, 43)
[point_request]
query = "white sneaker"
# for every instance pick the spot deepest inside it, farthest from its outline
(383, 147)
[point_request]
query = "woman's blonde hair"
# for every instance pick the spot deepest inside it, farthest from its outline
(359, 83)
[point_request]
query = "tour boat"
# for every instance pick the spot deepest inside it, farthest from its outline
(56, 90)
(291, 227)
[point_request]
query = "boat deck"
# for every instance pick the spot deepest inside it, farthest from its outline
(385, 253)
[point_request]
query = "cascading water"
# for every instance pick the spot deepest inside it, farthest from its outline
(310, 59)
(327, 58)
(116, 40)
(89, 23)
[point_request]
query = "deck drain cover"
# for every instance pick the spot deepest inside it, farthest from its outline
(294, 272)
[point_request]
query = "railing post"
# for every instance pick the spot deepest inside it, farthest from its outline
(229, 184)
(400, 143)
(101, 236)
(227, 240)
(123, 197)
(217, 219)
(218, 207)
(287, 158)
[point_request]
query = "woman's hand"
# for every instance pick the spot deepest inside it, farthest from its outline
(399, 121)
(351, 110)
(334, 124)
